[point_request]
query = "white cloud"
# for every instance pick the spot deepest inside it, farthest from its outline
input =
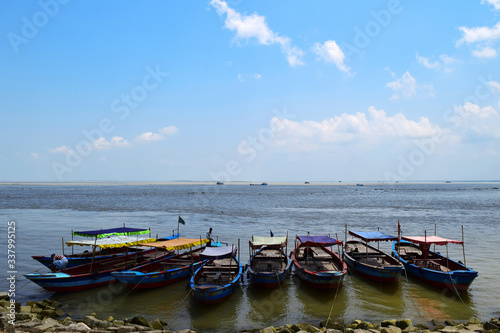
(484, 121)
(445, 62)
(35, 156)
(428, 63)
(360, 127)
(495, 85)
(330, 52)
(406, 86)
(494, 3)
(255, 26)
(479, 34)
(116, 141)
(169, 130)
(149, 137)
(485, 52)
(63, 149)
(245, 77)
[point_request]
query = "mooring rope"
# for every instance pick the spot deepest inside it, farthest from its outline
(333, 304)
(411, 297)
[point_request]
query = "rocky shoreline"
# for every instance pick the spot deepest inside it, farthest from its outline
(48, 316)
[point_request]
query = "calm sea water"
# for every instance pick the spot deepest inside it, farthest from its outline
(44, 214)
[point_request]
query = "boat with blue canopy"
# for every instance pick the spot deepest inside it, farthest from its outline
(371, 262)
(316, 264)
(218, 278)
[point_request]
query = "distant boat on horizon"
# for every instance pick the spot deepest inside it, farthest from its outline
(255, 184)
(220, 183)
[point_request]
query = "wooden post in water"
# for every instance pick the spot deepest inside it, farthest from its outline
(307, 249)
(62, 240)
(93, 253)
(463, 244)
(72, 250)
(435, 234)
(286, 244)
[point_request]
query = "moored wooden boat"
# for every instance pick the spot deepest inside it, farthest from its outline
(316, 265)
(217, 279)
(369, 261)
(431, 267)
(87, 257)
(268, 265)
(98, 273)
(168, 270)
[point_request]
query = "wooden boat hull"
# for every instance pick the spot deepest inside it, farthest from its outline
(84, 277)
(458, 280)
(74, 261)
(375, 271)
(320, 279)
(139, 279)
(213, 293)
(271, 278)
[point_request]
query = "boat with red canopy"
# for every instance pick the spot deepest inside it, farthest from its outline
(317, 265)
(432, 267)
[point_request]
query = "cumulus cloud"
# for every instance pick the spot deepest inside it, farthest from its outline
(406, 87)
(149, 137)
(479, 34)
(169, 130)
(35, 156)
(255, 26)
(61, 150)
(116, 141)
(494, 3)
(482, 120)
(330, 52)
(368, 127)
(444, 62)
(485, 52)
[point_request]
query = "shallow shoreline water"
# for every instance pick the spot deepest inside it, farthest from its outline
(46, 213)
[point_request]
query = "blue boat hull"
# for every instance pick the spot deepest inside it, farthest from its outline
(320, 279)
(212, 293)
(458, 280)
(270, 278)
(140, 280)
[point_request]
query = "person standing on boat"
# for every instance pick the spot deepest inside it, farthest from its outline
(59, 262)
(209, 237)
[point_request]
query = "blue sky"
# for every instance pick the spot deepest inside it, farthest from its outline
(249, 90)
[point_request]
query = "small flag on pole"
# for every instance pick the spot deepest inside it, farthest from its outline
(181, 221)
(272, 235)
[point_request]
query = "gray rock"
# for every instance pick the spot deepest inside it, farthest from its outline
(80, 327)
(402, 324)
(139, 321)
(125, 329)
(92, 321)
(449, 329)
(475, 327)
(47, 324)
(269, 329)
(331, 330)
(4, 295)
(156, 324)
(387, 323)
